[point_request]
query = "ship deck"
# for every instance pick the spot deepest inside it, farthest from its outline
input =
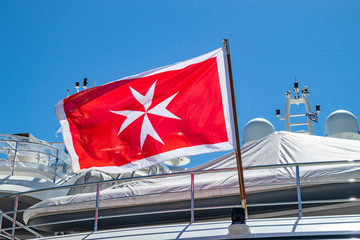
(324, 227)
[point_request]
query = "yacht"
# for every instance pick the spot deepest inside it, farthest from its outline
(288, 174)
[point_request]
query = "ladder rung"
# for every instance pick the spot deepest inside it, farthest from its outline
(299, 124)
(298, 115)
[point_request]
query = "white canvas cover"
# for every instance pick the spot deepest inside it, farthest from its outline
(275, 149)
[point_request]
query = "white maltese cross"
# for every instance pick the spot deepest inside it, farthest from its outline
(160, 110)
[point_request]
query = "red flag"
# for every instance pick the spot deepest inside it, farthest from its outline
(179, 110)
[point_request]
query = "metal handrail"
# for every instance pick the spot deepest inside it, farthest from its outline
(100, 217)
(183, 209)
(250, 205)
(33, 151)
(35, 143)
(182, 173)
(47, 155)
(192, 190)
(12, 137)
(19, 139)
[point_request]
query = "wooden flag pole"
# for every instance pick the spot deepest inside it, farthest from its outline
(237, 150)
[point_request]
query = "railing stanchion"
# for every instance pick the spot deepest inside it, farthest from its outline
(97, 207)
(13, 162)
(14, 216)
(1, 218)
(300, 212)
(56, 164)
(192, 198)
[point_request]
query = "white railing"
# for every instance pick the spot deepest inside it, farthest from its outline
(20, 154)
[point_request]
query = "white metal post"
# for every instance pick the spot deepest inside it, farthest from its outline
(298, 191)
(1, 218)
(287, 113)
(13, 162)
(14, 216)
(97, 207)
(308, 109)
(192, 198)
(56, 164)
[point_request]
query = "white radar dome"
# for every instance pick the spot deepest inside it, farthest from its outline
(256, 129)
(342, 124)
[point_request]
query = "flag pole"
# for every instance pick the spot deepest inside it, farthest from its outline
(237, 150)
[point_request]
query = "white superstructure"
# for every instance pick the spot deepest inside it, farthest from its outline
(27, 163)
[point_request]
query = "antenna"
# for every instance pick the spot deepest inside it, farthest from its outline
(296, 89)
(68, 92)
(303, 99)
(85, 83)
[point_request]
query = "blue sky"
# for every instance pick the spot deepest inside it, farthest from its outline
(46, 46)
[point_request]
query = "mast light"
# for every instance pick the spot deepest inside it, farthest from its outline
(77, 86)
(278, 113)
(317, 108)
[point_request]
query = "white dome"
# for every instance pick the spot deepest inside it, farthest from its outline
(342, 124)
(256, 129)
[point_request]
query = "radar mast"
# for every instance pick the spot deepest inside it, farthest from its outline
(299, 99)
